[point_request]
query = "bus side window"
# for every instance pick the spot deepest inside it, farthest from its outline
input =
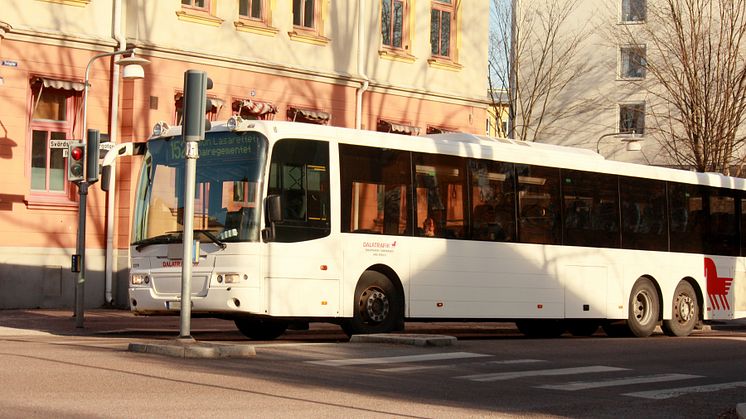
(375, 189)
(441, 193)
(492, 200)
(538, 204)
(299, 175)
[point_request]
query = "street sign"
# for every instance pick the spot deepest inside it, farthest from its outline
(58, 143)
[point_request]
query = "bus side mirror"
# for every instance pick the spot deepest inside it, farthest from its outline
(105, 177)
(273, 214)
(274, 208)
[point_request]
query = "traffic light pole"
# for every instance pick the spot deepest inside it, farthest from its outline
(78, 259)
(80, 252)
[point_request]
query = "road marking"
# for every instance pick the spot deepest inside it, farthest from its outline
(430, 367)
(584, 385)
(397, 359)
(676, 392)
(500, 376)
(417, 368)
(516, 361)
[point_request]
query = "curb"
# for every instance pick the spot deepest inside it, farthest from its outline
(405, 339)
(741, 410)
(193, 349)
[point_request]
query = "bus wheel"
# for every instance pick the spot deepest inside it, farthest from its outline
(541, 328)
(685, 311)
(378, 306)
(582, 327)
(616, 329)
(259, 328)
(644, 308)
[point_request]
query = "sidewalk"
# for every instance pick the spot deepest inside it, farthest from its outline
(104, 322)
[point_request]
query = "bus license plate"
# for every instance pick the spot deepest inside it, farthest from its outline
(173, 305)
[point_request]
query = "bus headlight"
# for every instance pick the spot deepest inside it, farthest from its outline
(231, 278)
(234, 122)
(160, 128)
(139, 279)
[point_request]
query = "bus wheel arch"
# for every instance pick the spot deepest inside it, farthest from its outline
(644, 311)
(378, 303)
(686, 309)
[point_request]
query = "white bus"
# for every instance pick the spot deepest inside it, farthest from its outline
(299, 223)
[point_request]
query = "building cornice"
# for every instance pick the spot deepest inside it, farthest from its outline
(53, 38)
(277, 69)
(4, 28)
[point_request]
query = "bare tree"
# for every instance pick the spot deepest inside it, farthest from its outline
(533, 56)
(696, 78)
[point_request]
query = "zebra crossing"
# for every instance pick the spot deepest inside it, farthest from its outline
(532, 368)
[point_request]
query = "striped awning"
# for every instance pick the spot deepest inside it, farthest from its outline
(438, 130)
(253, 107)
(60, 84)
(215, 103)
(306, 115)
(397, 128)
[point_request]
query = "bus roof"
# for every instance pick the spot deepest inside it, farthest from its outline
(475, 146)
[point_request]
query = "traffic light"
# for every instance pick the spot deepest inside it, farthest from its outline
(93, 140)
(196, 84)
(75, 161)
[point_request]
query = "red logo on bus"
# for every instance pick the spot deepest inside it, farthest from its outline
(717, 287)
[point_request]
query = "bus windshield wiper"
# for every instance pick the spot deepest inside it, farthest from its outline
(169, 237)
(211, 236)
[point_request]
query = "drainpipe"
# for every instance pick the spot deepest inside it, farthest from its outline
(360, 66)
(113, 137)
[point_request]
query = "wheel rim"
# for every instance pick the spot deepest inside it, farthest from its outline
(375, 305)
(685, 310)
(642, 305)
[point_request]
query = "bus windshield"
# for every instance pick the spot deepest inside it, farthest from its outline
(227, 191)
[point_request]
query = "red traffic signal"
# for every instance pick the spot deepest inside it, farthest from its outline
(75, 154)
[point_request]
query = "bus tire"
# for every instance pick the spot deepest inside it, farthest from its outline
(260, 328)
(644, 308)
(378, 306)
(685, 311)
(616, 329)
(582, 327)
(541, 328)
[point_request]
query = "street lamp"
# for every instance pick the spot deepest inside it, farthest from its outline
(132, 70)
(632, 139)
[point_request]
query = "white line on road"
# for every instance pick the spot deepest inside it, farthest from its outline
(535, 373)
(584, 385)
(417, 368)
(517, 361)
(398, 359)
(676, 392)
(430, 367)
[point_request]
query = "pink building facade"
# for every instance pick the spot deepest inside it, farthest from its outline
(375, 65)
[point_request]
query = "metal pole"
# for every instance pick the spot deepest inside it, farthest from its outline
(195, 100)
(80, 283)
(191, 154)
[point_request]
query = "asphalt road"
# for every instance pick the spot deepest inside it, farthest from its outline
(49, 368)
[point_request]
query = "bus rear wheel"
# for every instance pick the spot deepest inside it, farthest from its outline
(378, 306)
(259, 328)
(541, 328)
(582, 327)
(644, 308)
(685, 311)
